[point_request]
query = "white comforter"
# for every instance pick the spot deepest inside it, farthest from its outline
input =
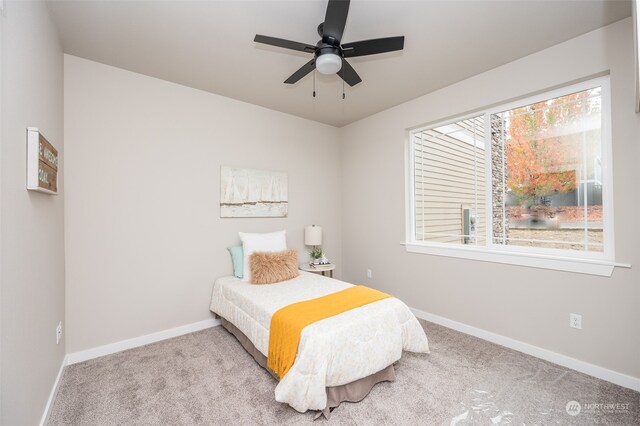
(332, 352)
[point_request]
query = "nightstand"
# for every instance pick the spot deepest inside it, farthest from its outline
(318, 269)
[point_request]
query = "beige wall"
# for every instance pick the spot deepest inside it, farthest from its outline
(144, 238)
(32, 235)
(530, 305)
(1, 126)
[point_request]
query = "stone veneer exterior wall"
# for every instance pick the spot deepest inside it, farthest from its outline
(500, 224)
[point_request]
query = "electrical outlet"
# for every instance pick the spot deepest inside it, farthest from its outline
(58, 333)
(369, 273)
(575, 321)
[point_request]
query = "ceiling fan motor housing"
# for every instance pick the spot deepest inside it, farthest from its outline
(324, 49)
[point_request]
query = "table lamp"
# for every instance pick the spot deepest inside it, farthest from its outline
(313, 237)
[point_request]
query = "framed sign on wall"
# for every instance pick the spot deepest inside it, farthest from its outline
(42, 163)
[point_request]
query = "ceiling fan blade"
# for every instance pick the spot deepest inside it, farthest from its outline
(335, 20)
(306, 69)
(348, 74)
(371, 47)
(287, 44)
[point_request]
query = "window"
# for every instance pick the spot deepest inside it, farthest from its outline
(526, 183)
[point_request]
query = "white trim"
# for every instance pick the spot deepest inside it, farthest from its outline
(615, 377)
(607, 171)
(135, 342)
(550, 94)
(409, 182)
(583, 266)
(54, 390)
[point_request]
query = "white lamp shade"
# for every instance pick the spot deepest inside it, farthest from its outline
(329, 63)
(313, 235)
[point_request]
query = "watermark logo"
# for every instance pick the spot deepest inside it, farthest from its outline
(573, 408)
(588, 408)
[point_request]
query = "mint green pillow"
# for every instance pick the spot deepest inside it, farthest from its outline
(237, 257)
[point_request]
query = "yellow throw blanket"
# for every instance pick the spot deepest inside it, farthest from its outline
(287, 323)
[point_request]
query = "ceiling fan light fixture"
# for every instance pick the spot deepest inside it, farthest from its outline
(328, 63)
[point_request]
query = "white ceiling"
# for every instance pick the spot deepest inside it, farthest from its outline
(209, 45)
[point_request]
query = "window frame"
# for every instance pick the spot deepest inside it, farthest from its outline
(595, 263)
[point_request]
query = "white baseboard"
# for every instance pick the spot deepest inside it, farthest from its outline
(563, 360)
(123, 345)
(54, 390)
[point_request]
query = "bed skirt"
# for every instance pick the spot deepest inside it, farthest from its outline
(350, 392)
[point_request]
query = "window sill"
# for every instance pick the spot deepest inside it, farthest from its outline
(582, 266)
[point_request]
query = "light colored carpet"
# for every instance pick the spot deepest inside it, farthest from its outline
(208, 378)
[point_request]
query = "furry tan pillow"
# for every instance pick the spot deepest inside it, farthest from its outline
(273, 267)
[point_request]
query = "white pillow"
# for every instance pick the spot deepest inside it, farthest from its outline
(273, 241)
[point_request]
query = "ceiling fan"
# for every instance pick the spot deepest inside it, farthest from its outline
(329, 53)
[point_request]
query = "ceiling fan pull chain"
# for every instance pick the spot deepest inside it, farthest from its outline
(314, 83)
(343, 83)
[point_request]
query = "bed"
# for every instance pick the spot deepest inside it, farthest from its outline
(339, 358)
